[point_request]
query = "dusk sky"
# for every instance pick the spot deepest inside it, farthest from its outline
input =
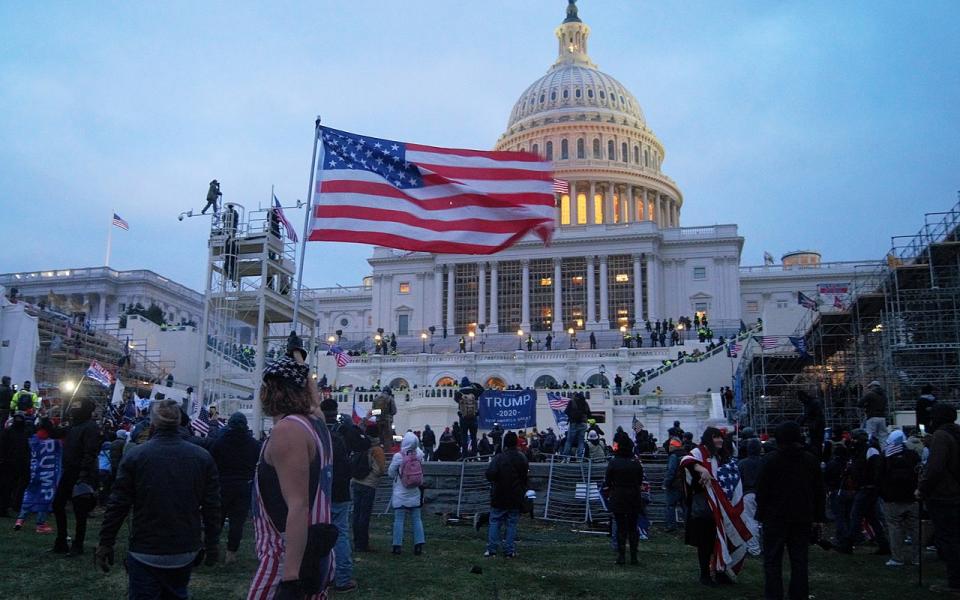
(824, 125)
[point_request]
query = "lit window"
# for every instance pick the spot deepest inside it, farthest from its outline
(565, 209)
(577, 280)
(546, 281)
(404, 287)
(621, 278)
(699, 272)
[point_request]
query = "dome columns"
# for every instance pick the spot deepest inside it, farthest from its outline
(599, 202)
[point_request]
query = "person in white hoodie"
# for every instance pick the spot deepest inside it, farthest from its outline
(406, 500)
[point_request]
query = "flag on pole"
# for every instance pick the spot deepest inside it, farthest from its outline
(119, 222)
(357, 417)
(560, 186)
(800, 344)
(342, 358)
(428, 199)
(278, 209)
(769, 342)
(117, 398)
(806, 301)
(98, 373)
(201, 423)
(767, 258)
(734, 349)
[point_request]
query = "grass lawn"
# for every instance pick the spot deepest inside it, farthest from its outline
(553, 563)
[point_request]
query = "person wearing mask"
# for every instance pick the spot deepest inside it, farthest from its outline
(749, 471)
(925, 402)
(235, 453)
(292, 490)
(790, 505)
(79, 481)
(345, 439)
(595, 451)
(624, 480)
(14, 464)
(874, 406)
(507, 474)
(939, 489)
(407, 497)
(366, 469)
(577, 411)
(173, 489)
(429, 441)
(898, 482)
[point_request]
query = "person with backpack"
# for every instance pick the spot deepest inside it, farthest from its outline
(939, 488)
(468, 397)
(577, 411)
(428, 439)
(898, 482)
(366, 468)
(406, 470)
(388, 409)
(507, 474)
(673, 483)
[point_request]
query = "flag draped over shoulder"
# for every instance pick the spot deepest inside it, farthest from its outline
(428, 199)
(725, 499)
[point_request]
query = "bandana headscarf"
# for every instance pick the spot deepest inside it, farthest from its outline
(287, 369)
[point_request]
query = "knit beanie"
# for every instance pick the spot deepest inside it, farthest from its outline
(164, 414)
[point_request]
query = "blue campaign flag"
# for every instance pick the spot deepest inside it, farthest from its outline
(800, 344)
(512, 409)
(45, 469)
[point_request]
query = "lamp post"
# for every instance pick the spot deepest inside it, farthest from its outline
(379, 340)
(519, 339)
(483, 336)
(603, 375)
(331, 339)
(623, 335)
(680, 329)
(471, 334)
(423, 342)
(573, 338)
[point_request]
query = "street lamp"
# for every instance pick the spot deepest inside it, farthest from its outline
(680, 328)
(378, 339)
(623, 335)
(519, 339)
(603, 376)
(331, 339)
(573, 338)
(423, 342)
(471, 334)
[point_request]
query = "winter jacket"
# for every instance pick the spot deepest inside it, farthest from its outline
(624, 479)
(236, 453)
(577, 410)
(404, 497)
(874, 402)
(898, 476)
(670, 479)
(924, 404)
(941, 475)
(507, 473)
(378, 466)
(429, 438)
(749, 472)
(170, 484)
(595, 451)
(15, 447)
(80, 449)
(790, 488)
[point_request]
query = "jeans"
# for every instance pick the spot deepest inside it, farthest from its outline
(427, 453)
(363, 497)
(468, 425)
(511, 518)
(902, 521)
(673, 502)
(876, 427)
(795, 538)
(340, 517)
(152, 583)
(399, 516)
(864, 507)
(841, 504)
(41, 516)
(946, 535)
(235, 501)
(575, 435)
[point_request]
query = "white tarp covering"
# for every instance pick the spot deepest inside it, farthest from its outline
(19, 342)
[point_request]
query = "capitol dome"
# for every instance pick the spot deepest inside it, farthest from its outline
(595, 132)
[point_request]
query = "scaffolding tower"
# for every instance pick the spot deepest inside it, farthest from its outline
(249, 284)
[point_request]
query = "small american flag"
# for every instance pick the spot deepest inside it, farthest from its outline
(119, 222)
(556, 401)
(342, 358)
(428, 199)
(806, 301)
(277, 208)
(201, 423)
(734, 349)
(561, 187)
(769, 342)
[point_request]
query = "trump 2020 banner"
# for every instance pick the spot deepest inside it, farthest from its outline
(512, 409)
(44, 475)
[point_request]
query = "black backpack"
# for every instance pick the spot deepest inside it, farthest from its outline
(360, 465)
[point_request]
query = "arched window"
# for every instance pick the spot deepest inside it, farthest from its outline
(636, 155)
(576, 92)
(596, 149)
(445, 381)
(624, 154)
(581, 149)
(542, 97)
(646, 157)
(566, 94)
(535, 149)
(399, 384)
(495, 383)
(589, 92)
(553, 95)
(611, 150)
(602, 95)
(597, 380)
(547, 382)
(549, 150)
(564, 150)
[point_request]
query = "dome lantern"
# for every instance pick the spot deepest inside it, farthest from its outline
(572, 36)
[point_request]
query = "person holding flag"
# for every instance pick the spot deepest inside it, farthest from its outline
(79, 481)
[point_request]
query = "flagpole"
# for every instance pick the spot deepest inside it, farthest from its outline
(306, 223)
(106, 261)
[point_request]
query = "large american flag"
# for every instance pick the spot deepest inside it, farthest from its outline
(427, 199)
(556, 401)
(201, 423)
(557, 405)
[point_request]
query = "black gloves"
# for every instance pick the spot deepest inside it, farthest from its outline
(103, 558)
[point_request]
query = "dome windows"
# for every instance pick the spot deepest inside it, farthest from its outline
(611, 150)
(636, 155)
(535, 149)
(564, 150)
(553, 95)
(577, 92)
(622, 101)
(602, 95)
(549, 150)
(566, 94)
(596, 149)
(624, 154)
(542, 98)
(589, 92)
(581, 148)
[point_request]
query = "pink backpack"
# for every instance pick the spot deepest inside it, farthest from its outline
(411, 470)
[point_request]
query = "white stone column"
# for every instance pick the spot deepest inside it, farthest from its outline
(608, 203)
(604, 304)
(591, 207)
(481, 294)
(494, 325)
(653, 287)
(631, 206)
(683, 296)
(591, 296)
(557, 295)
(437, 297)
(657, 213)
(647, 213)
(102, 315)
(525, 295)
(573, 201)
(451, 297)
(377, 293)
(637, 289)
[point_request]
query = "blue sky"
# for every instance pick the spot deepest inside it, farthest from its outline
(817, 124)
